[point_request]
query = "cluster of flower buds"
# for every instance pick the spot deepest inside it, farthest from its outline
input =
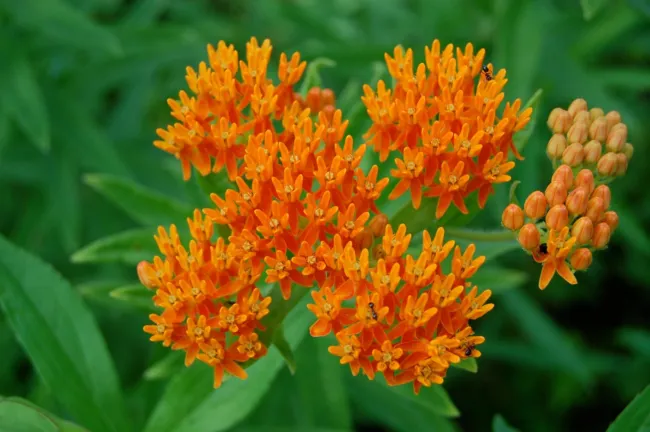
(589, 138)
(562, 226)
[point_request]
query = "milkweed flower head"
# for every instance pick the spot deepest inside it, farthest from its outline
(440, 120)
(562, 226)
(301, 215)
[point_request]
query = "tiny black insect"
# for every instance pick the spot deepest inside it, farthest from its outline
(543, 248)
(371, 305)
(486, 72)
(468, 350)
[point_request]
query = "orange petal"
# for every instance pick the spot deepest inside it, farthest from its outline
(548, 270)
(566, 273)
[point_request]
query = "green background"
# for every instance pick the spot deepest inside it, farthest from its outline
(83, 85)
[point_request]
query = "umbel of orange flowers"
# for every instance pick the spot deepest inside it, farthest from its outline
(302, 214)
(562, 226)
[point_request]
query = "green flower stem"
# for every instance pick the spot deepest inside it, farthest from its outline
(475, 235)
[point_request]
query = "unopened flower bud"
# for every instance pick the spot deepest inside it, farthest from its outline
(583, 230)
(512, 217)
(577, 106)
(621, 161)
(327, 97)
(577, 201)
(628, 151)
(598, 129)
(616, 139)
(593, 149)
(581, 259)
(602, 232)
(378, 224)
(556, 146)
(595, 113)
(607, 165)
(595, 209)
(582, 117)
(578, 133)
(364, 239)
(529, 236)
(557, 217)
(564, 175)
(555, 193)
(378, 252)
(585, 178)
(611, 219)
(573, 155)
(142, 268)
(313, 99)
(559, 121)
(613, 118)
(604, 193)
(535, 205)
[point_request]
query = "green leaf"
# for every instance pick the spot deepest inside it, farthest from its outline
(498, 279)
(312, 74)
(521, 138)
(190, 404)
(144, 205)
(468, 364)
(542, 331)
(512, 194)
(129, 295)
(434, 398)
(23, 100)
(62, 23)
(64, 201)
(590, 8)
(128, 247)
(24, 415)
(403, 415)
(636, 416)
(608, 29)
(280, 342)
(62, 339)
(491, 244)
(636, 340)
(169, 365)
(499, 424)
(135, 295)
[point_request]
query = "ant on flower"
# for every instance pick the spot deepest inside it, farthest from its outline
(486, 72)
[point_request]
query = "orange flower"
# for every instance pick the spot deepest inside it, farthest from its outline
(559, 247)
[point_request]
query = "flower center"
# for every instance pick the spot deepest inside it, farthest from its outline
(259, 168)
(466, 144)
(329, 176)
(230, 318)
(274, 223)
(385, 279)
(348, 349)
(198, 331)
(452, 179)
(327, 307)
(450, 108)
(410, 166)
(246, 196)
(279, 267)
(387, 357)
(247, 246)
(195, 291)
(160, 328)
(349, 225)
(172, 299)
(311, 260)
(288, 189)
(319, 212)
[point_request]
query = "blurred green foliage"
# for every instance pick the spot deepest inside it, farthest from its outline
(83, 85)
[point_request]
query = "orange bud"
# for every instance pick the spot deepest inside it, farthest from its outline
(616, 139)
(621, 166)
(582, 117)
(142, 274)
(595, 209)
(564, 174)
(593, 149)
(327, 97)
(577, 200)
(535, 205)
(578, 133)
(329, 111)
(611, 219)
(628, 151)
(577, 106)
(585, 178)
(604, 193)
(598, 129)
(583, 230)
(556, 146)
(557, 217)
(581, 259)
(313, 99)
(613, 118)
(608, 165)
(555, 193)
(529, 236)
(573, 155)
(596, 113)
(602, 232)
(364, 239)
(559, 121)
(512, 217)
(378, 224)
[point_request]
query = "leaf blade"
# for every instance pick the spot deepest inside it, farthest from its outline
(128, 247)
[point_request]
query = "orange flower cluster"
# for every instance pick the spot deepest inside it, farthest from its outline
(444, 125)
(303, 213)
(563, 225)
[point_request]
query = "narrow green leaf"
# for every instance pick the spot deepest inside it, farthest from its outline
(64, 201)
(636, 416)
(590, 8)
(636, 340)
(499, 424)
(491, 244)
(128, 247)
(542, 331)
(145, 12)
(23, 415)
(434, 399)
(144, 205)
(498, 279)
(608, 28)
(169, 365)
(312, 74)
(135, 295)
(521, 138)
(64, 24)
(23, 100)
(280, 342)
(512, 194)
(468, 364)
(62, 339)
(191, 404)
